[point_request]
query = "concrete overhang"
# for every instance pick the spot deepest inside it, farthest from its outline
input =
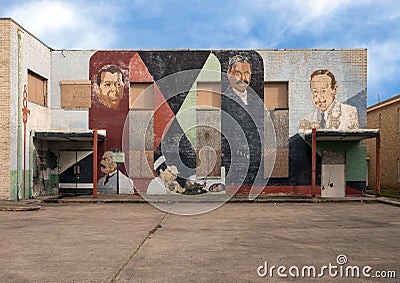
(64, 135)
(348, 135)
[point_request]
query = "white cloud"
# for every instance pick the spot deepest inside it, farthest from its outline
(161, 24)
(383, 66)
(67, 24)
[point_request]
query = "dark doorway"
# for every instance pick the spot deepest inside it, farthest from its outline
(76, 172)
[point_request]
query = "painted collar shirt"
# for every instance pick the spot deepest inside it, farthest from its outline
(338, 116)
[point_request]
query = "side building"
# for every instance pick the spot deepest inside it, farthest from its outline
(385, 116)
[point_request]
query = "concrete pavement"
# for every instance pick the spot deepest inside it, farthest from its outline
(135, 242)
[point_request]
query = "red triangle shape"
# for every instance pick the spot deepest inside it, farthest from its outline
(138, 71)
(163, 116)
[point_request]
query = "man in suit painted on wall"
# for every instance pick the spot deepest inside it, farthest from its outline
(329, 113)
(245, 107)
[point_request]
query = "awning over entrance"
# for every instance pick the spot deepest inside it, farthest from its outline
(349, 135)
(315, 135)
(68, 135)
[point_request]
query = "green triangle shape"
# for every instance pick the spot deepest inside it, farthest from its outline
(186, 116)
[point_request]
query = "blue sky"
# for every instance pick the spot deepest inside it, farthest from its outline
(251, 24)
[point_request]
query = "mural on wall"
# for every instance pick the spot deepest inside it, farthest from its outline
(114, 180)
(166, 121)
(175, 129)
(242, 118)
(329, 113)
(108, 71)
(110, 86)
(166, 182)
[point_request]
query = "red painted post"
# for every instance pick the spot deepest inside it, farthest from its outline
(95, 138)
(378, 165)
(314, 160)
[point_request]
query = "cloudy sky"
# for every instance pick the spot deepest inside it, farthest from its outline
(157, 24)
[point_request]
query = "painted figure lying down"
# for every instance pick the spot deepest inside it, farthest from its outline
(167, 182)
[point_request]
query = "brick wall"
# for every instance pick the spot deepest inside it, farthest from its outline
(5, 44)
(387, 119)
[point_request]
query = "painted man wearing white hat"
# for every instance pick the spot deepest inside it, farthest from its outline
(166, 180)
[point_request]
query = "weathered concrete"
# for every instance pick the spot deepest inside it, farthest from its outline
(134, 242)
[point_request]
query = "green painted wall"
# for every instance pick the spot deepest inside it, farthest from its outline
(14, 183)
(356, 155)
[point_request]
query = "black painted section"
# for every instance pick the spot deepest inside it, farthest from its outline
(250, 118)
(164, 63)
(357, 185)
(184, 157)
(300, 162)
(85, 176)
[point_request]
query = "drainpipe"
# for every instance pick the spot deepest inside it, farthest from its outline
(19, 107)
(378, 165)
(95, 138)
(313, 161)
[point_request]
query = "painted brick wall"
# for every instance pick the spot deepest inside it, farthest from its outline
(5, 46)
(295, 67)
(290, 66)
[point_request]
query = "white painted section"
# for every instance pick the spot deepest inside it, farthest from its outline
(333, 180)
(75, 185)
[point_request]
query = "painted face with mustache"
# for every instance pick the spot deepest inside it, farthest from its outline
(240, 76)
(106, 164)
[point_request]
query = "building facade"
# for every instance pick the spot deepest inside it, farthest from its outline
(385, 116)
(231, 121)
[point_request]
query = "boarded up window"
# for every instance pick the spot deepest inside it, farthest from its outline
(141, 96)
(280, 167)
(37, 89)
(209, 94)
(75, 94)
(276, 95)
(208, 152)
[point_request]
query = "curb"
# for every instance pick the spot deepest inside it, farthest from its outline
(20, 208)
(232, 200)
(15, 206)
(388, 201)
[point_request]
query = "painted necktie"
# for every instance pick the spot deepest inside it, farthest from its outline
(322, 124)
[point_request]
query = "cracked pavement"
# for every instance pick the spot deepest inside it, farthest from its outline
(135, 242)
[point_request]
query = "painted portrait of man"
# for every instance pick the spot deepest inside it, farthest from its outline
(329, 113)
(114, 180)
(110, 85)
(243, 108)
(239, 75)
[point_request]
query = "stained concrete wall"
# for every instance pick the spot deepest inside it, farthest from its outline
(68, 65)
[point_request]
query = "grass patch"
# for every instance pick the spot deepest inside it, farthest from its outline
(383, 194)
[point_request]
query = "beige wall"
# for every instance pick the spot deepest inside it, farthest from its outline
(388, 114)
(5, 49)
